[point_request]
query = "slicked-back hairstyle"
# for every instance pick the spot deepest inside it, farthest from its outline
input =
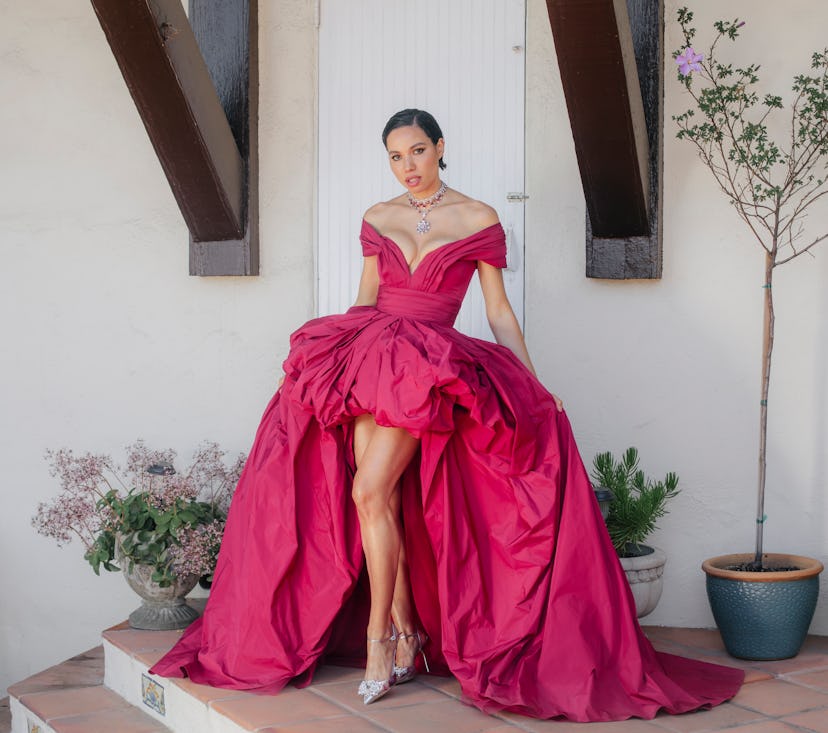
(419, 118)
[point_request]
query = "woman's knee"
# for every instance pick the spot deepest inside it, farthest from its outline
(379, 467)
(370, 496)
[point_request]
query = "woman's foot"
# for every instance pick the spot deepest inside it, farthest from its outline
(408, 647)
(379, 668)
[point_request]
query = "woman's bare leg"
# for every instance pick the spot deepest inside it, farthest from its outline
(381, 453)
(402, 605)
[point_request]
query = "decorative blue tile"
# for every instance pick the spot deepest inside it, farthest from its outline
(152, 693)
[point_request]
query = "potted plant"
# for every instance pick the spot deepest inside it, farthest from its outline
(162, 528)
(637, 503)
(763, 603)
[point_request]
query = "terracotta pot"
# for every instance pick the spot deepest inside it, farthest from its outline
(763, 615)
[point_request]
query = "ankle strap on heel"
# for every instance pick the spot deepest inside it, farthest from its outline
(393, 637)
(421, 640)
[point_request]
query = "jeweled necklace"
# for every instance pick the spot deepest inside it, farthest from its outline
(424, 206)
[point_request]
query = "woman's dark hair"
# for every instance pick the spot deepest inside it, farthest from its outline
(418, 117)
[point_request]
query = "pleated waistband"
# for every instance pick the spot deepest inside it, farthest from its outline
(417, 304)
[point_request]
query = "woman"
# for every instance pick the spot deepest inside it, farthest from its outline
(442, 461)
(415, 152)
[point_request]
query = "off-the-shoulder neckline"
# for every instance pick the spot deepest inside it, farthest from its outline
(431, 251)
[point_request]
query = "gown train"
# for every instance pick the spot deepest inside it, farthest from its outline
(513, 575)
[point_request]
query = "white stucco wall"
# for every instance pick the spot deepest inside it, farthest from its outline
(673, 366)
(106, 337)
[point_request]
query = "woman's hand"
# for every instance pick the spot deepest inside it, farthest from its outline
(502, 319)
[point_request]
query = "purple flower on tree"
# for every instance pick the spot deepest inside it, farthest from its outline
(688, 60)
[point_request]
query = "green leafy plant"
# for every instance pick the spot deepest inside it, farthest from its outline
(771, 182)
(638, 502)
(144, 513)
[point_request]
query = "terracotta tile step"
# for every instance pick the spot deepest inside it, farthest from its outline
(782, 696)
(40, 703)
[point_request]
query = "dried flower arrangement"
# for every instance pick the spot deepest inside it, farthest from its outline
(170, 521)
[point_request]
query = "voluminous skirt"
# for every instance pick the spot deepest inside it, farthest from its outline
(513, 575)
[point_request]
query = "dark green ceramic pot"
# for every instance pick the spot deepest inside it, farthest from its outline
(763, 615)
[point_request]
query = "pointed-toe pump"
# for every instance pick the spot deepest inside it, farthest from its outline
(373, 690)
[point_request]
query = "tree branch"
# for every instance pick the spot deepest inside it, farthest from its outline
(802, 251)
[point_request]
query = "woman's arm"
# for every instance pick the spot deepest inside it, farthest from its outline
(501, 317)
(368, 282)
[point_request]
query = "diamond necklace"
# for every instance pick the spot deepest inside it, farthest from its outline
(424, 206)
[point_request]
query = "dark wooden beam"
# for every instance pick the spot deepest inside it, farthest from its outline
(593, 42)
(609, 59)
(159, 58)
(227, 33)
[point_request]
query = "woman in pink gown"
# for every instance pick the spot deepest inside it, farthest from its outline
(423, 484)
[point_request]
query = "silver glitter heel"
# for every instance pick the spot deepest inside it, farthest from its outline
(406, 674)
(373, 690)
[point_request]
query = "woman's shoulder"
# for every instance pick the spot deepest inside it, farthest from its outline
(378, 214)
(473, 214)
(483, 214)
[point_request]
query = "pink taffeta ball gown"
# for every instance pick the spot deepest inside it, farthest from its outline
(514, 578)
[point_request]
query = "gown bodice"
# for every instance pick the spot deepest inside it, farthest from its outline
(434, 291)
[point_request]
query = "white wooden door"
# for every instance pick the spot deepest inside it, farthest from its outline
(461, 60)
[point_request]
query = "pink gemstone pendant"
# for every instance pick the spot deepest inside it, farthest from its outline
(426, 205)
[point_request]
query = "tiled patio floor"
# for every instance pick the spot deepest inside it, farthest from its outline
(778, 697)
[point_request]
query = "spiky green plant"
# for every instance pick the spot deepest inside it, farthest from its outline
(638, 503)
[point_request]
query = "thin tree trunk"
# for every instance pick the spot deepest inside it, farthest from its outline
(767, 352)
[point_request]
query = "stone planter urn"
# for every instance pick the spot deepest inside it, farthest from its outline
(644, 574)
(161, 609)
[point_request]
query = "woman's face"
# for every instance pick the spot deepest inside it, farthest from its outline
(415, 159)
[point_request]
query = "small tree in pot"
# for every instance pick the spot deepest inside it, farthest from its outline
(638, 503)
(771, 186)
